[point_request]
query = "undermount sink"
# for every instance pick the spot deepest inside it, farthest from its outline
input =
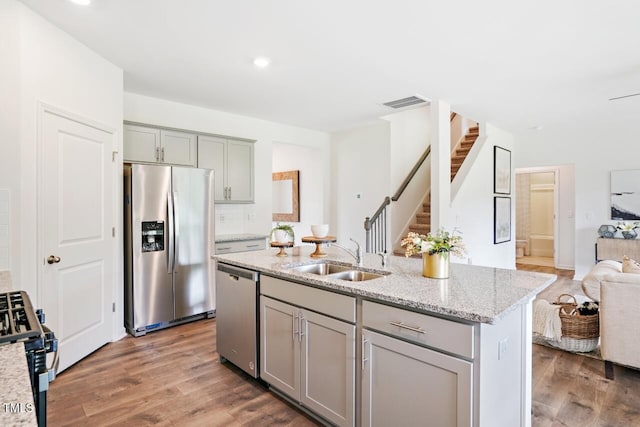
(356, 275)
(322, 269)
(339, 271)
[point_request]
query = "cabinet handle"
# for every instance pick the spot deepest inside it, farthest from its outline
(229, 193)
(157, 154)
(417, 329)
(364, 351)
(301, 327)
(162, 154)
(294, 325)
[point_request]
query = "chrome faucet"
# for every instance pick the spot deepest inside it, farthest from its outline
(384, 257)
(357, 253)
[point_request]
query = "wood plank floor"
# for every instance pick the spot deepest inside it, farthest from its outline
(168, 378)
(173, 378)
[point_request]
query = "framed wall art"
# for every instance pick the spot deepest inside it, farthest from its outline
(501, 170)
(501, 219)
(625, 195)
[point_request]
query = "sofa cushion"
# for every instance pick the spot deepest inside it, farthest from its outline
(591, 282)
(630, 266)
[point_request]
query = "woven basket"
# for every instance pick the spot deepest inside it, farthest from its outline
(580, 333)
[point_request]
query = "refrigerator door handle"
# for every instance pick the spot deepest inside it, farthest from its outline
(176, 225)
(170, 253)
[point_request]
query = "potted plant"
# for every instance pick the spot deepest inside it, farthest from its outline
(282, 233)
(628, 229)
(435, 249)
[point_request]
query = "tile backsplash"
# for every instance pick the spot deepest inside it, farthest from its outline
(234, 219)
(5, 204)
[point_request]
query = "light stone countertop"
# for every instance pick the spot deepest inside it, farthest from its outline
(472, 293)
(222, 238)
(16, 400)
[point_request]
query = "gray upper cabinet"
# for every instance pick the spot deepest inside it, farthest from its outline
(232, 161)
(152, 145)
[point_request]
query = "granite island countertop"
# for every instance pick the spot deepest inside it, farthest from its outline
(471, 293)
(16, 400)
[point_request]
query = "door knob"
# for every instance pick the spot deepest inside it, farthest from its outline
(52, 259)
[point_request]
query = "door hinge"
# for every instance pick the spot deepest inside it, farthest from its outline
(113, 232)
(113, 307)
(113, 156)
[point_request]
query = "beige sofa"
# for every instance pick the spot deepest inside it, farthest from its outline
(619, 297)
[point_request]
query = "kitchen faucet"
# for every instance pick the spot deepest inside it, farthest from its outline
(357, 253)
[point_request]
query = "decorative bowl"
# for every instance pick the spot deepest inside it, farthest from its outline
(320, 230)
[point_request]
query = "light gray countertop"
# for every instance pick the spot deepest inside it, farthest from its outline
(221, 238)
(472, 293)
(16, 400)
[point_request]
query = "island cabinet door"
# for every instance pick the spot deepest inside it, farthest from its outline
(279, 346)
(407, 385)
(328, 367)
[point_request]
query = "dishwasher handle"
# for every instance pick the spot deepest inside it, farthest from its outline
(238, 272)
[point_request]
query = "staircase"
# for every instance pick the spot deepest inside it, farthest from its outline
(422, 225)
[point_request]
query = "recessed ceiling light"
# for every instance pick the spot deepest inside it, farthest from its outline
(261, 62)
(81, 2)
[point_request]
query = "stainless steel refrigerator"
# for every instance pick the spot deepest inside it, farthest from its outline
(168, 225)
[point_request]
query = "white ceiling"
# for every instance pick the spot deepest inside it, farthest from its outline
(334, 62)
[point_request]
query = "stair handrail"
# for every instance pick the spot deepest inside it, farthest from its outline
(377, 224)
(411, 174)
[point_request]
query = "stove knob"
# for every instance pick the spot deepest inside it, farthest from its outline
(40, 315)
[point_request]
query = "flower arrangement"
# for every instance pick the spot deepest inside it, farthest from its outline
(627, 226)
(441, 242)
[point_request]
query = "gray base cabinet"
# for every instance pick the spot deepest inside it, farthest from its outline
(305, 355)
(404, 384)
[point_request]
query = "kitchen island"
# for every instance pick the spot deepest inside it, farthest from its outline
(454, 351)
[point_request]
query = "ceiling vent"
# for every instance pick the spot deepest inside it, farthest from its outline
(405, 102)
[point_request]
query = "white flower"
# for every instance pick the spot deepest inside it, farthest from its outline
(426, 246)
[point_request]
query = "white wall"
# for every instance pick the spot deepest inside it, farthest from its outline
(251, 218)
(410, 135)
(55, 69)
(360, 166)
(9, 137)
(306, 160)
(472, 209)
(592, 153)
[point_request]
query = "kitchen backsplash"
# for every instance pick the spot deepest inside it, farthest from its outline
(235, 219)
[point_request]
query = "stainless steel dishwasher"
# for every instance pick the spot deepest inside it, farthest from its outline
(236, 317)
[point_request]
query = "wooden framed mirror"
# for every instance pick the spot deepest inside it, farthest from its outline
(285, 196)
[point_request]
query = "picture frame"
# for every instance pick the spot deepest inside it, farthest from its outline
(501, 170)
(501, 219)
(625, 195)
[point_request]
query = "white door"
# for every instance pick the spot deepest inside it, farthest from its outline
(76, 244)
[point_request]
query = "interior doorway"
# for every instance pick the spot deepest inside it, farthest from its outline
(536, 217)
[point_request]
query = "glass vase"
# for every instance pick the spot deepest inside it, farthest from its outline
(435, 266)
(630, 234)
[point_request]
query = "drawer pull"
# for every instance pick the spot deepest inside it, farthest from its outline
(253, 246)
(224, 249)
(364, 352)
(417, 329)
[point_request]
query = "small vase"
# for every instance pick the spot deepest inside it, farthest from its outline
(281, 236)
(435, 266)
(631, 234)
